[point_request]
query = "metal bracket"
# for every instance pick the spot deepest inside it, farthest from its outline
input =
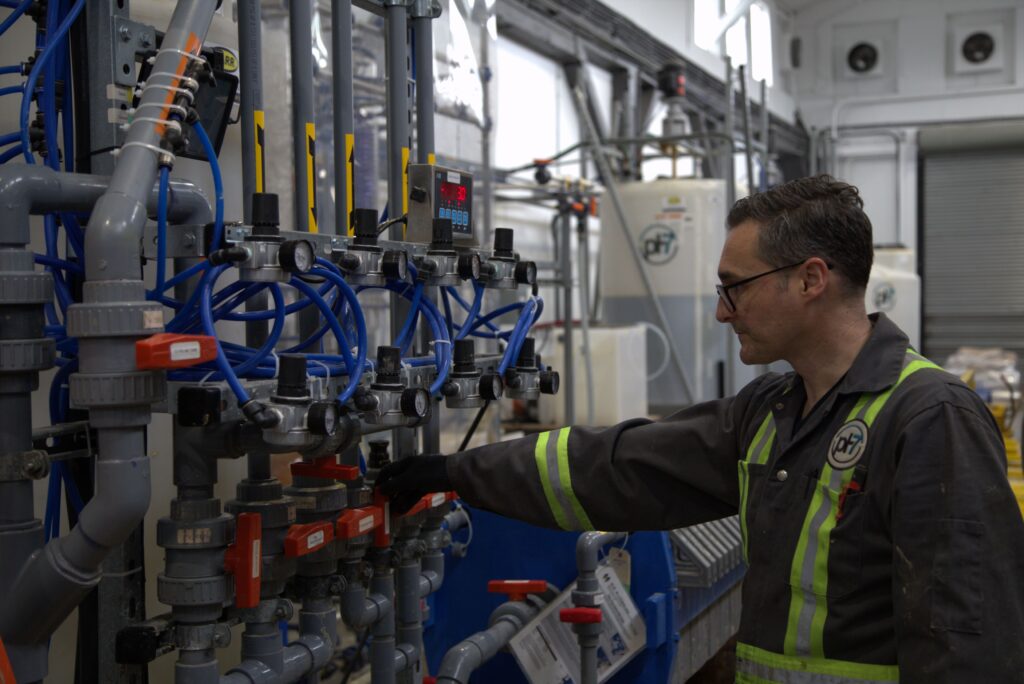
(131, 38)
(24, 465)
(34, 464)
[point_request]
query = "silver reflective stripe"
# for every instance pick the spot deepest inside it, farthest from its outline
(554, 478)
(766, 673)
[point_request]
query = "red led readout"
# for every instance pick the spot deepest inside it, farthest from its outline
(453, 192)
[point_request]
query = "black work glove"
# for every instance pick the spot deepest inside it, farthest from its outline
(405, 482)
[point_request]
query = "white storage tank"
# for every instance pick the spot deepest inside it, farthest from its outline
(678, 226)
(894, 288)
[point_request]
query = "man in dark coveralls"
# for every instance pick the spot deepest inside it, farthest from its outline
(883, 540)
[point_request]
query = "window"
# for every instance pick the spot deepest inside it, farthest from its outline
(748, 40)
(705, 23)
(762, 64)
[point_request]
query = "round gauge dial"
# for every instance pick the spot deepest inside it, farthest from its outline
(491, 386)
(322, 418)
(297, 256)
(415, 402)
(395, 264)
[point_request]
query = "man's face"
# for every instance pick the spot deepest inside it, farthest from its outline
(763, 314)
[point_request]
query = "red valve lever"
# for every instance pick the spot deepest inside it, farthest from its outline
(429, 680)
(580, 616)
(326, 468)
(355, 522)
(304, 539)
(431, 501)
(517, 590)
(164, 351)
(6, 671)
(382, 535)
(243, 559)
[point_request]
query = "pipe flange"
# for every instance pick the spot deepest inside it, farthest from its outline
(18, 356)
(253, 491)
(194, 510)
(202, 637)
(128, 319)
(194, 591)
(279, 513)
(315, 500)
(25, 288)
(91, 390)
(206, 534)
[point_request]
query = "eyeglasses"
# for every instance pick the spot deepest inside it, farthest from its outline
(723, 290)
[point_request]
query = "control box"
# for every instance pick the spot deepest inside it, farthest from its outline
(440, 192)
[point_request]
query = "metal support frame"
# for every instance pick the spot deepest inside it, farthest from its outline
(611, 185)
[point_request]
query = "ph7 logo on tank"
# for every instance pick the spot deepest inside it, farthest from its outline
(658, 244)
(848, 445)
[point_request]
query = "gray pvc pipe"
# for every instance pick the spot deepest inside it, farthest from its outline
(397, 107)
(465, 657)
(250, 54)
(300, 26)
(344, 121)
(309, 653)
(359, 609)
(57, 577)
(37, 189)
(112, 241)
(382, 648)
(588, 546)
(423, 36)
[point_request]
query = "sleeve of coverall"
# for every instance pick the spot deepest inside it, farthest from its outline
(958, 547)
(636, 475)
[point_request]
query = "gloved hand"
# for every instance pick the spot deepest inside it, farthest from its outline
(405, 482)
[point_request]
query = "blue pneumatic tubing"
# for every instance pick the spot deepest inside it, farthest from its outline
(405, 335)
(218, 183)
(40, 63)
(10, 153)
(474, 311)
(15, 15)
(355, 367)
(519, 332)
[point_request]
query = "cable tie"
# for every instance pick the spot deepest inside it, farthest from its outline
(206, 377)
(138, 143)
(277, 362)
(185, 81)
(183, 53)
(166, 86)
(170, 123)
(322, 386)
(164, 105)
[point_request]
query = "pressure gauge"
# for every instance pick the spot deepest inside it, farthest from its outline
(297, 256)
(469, 266)
(491, 386)
(526, 273)
(415, 403)
(395, 264)
(322, 418)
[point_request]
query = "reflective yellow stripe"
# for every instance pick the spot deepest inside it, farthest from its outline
(552, 456)
(758, 665)
(540, 455)
(758, 452)
(565, 479)
(808, 608)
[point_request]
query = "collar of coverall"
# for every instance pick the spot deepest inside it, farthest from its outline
(879, 364)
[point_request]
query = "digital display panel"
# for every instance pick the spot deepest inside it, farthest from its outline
(453, 192)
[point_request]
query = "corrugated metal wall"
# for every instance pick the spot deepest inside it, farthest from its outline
(973, 251)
